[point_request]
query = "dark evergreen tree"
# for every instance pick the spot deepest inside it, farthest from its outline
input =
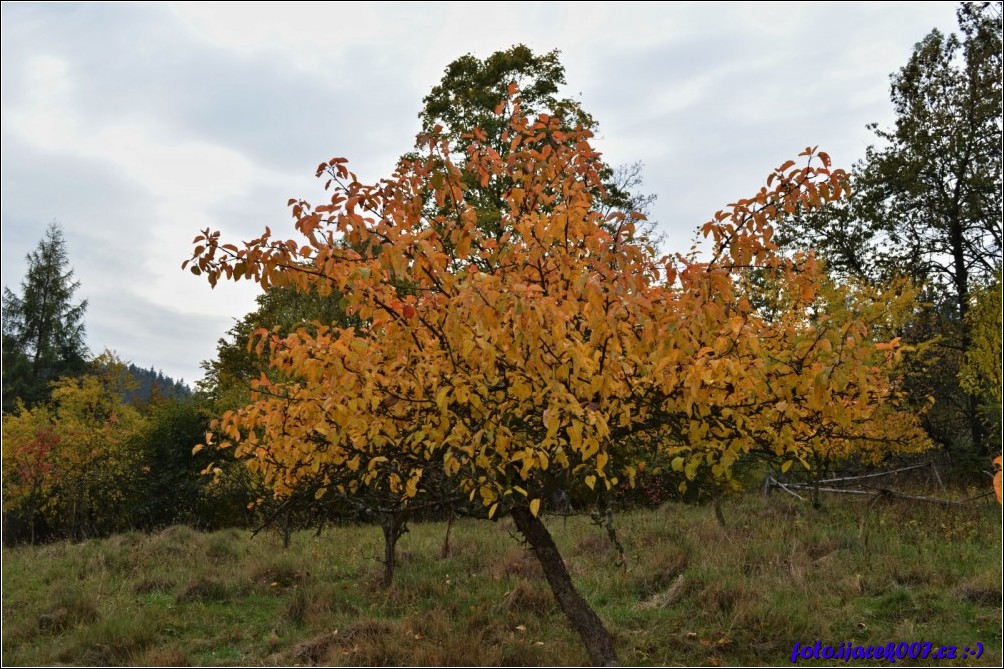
(43, 328)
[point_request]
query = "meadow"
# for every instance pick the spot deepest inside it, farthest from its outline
(689, 591)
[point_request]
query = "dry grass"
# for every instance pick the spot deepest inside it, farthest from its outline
(690, 592)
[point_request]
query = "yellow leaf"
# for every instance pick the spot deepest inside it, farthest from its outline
(690, 470)
(601, 461)
(534, 507)
(442, 397)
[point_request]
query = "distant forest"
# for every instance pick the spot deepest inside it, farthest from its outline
(153, 384)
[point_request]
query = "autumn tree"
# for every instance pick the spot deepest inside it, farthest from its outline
(43, 328)
(465, 98)
(27, 460)
(550, 355)
(74, 465)
(89, 461)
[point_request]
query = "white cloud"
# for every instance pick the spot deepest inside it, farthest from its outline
(137, 125)
(181, 179)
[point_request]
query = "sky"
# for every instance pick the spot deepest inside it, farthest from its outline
(136, 126)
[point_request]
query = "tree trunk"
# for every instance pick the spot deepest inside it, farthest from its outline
(393, 525)
(445, 553)
(286, 530)
(957, 239)
(719, 516)
(594, 635)
(818, 472)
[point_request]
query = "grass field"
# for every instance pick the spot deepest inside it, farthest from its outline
(690, 593)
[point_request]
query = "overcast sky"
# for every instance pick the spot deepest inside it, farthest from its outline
(135, 126)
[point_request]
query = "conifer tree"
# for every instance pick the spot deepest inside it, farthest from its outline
(43, 328)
